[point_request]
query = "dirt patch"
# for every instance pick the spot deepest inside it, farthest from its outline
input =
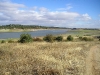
(93, 61)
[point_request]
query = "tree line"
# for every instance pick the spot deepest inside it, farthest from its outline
(19, 26)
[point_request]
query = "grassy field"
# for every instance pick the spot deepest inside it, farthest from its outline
(60, 58)
(57, 58)
(82, 32)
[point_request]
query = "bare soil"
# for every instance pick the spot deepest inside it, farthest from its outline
(93, 61)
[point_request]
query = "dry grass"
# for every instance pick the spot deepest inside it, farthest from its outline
(42, 58)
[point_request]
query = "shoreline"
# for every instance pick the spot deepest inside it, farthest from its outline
(20, 30)
(23, 30)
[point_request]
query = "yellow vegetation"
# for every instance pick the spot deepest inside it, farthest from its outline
(38, 58)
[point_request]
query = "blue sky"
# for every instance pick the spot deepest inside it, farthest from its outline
(62, 13)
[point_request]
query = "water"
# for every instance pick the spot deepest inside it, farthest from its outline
(6, 35)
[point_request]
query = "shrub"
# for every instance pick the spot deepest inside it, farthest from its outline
(10, 41)
(37, 39)
(86, 39)
(70, 38)
(80, 38)
(25, 38)
(90, 39)
(3, 41)
(59, 38)
(49, 38)
(98, 37)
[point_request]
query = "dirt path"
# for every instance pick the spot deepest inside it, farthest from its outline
(93, 61)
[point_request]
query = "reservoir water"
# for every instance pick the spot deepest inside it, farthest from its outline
(6, 35)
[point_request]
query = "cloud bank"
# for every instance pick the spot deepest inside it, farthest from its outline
(14, 13)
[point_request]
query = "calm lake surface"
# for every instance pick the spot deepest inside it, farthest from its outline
(5, 35)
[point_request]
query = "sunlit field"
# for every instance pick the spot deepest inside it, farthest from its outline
(42, 58)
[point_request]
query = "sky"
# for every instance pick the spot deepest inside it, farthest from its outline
(57, 13)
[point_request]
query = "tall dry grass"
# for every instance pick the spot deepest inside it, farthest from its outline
(42, 58)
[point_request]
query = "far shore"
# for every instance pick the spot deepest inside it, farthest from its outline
(19, 30)
(22, 30)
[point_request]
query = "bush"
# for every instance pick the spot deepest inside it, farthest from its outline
(59, 38)
(86, 39)
(49, 38)
(37, 39)
(25, 38)
(10, 41)
(3, 41)
(80, 38)
(70, 38)
(98, 37)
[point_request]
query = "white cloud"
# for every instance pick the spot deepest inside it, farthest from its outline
(61, 15)
(3, 17)
(11, 13)
(85, 17)
(10, 6)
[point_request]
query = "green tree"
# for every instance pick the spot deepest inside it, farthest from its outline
(25, 38)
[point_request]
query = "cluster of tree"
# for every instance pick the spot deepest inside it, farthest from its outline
(19, 26)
